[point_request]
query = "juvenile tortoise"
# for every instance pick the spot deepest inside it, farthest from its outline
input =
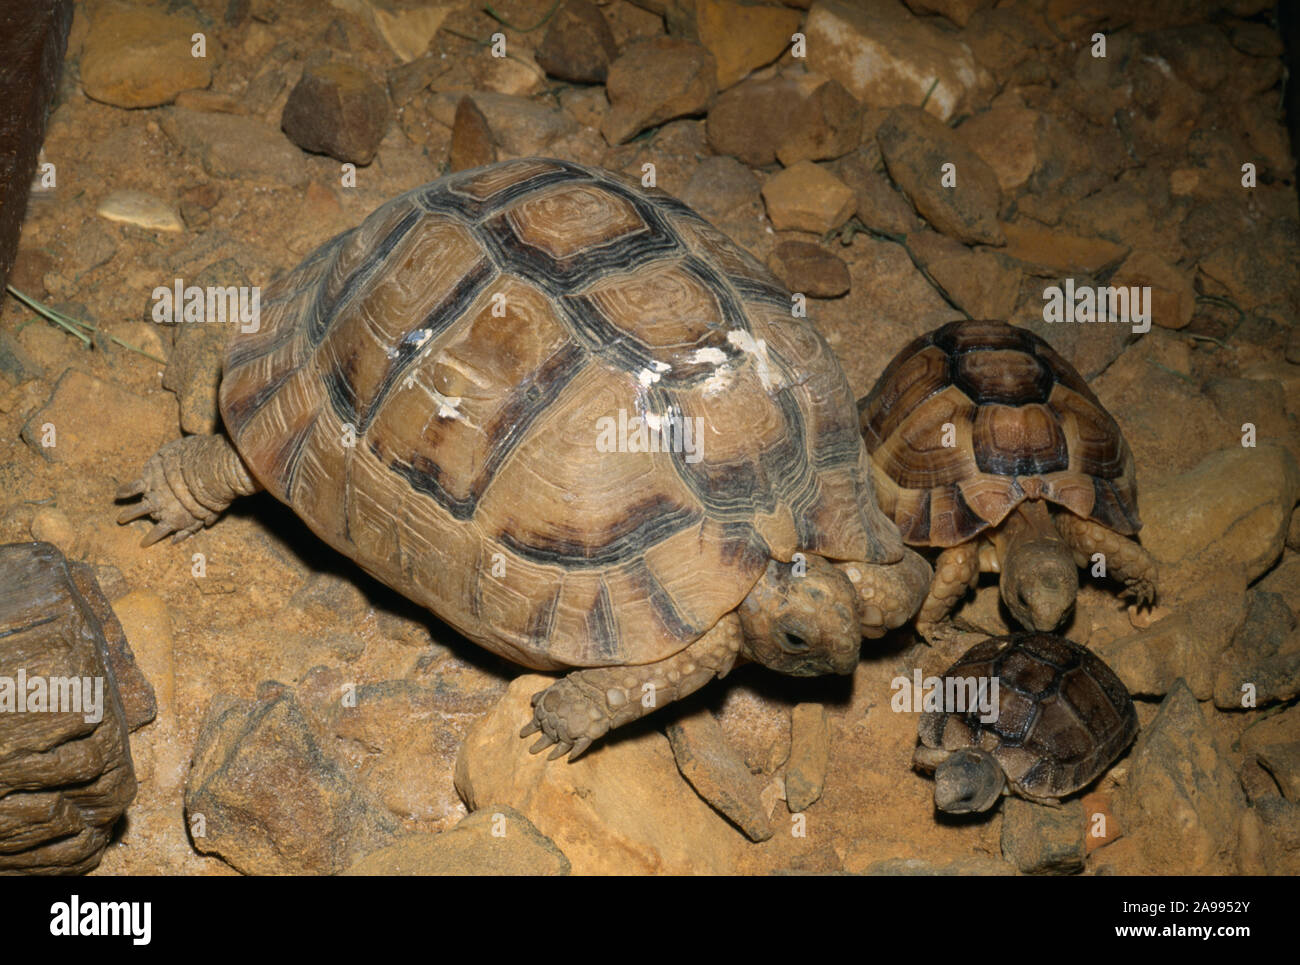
(490, 341)
(987, 443)
(1062, 718)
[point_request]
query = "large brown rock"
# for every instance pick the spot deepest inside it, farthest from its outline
(65, 761)
(916, 147)
(339, 110)
(1232, 509)
(828, 125)
(231, 146)
(266, 798)
(743, 36)
(1182, 802)
(715, 770)
(808, 198)
(656, 80)
(622, 808)
(139, 56)
(752, 120)
(886, 57)
(578, 45)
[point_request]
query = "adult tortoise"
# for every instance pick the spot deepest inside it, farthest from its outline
(574, 421)
(1062, 718)
(987, 443)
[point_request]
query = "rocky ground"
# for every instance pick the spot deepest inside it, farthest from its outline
(308, 719)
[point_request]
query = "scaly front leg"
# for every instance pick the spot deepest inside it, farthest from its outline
(1126, 561)
(587, 704)
(955, 571)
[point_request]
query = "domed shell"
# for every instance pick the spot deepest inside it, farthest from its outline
(1025, 426)
(450, 394)
(1063, 715)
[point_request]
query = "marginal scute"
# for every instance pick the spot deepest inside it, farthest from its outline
(456, 394)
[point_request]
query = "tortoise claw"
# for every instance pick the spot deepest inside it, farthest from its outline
(579, 748)
(531, 728)
(132, 513)
(543, 742)
(560, 751)
(131, 490)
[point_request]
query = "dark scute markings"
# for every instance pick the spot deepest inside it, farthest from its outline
(239, 411)
(512, 422)
(322, 314)
(995, 391)
(510, 425)
(563, 275)
(998, 462)
(916, 529)
(733, 312)
(645, 523)
(285, 463)
(661, 602)
(620, 349)
(878, 411)
(340, 389)
(242, 350)
(751, 289)
(425, 476)
(447, 312)
(541, 622)
(602, 627)
(965, 519)
(443, 197)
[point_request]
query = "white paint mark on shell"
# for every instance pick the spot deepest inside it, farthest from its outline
(757, 348)
(708, 356)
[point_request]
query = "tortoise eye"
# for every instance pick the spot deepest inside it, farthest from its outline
(793, 644)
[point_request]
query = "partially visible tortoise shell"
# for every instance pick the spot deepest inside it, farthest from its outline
(1063, 715)
(471, 334)
(1027, 426)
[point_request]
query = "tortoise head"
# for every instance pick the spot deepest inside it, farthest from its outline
(800, 619)
(1039, 584)
(968, 780)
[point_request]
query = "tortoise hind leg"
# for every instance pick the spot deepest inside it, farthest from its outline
(1126, 561)
(186, 485)
(585, 705)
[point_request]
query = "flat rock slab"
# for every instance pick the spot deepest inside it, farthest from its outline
(231, 146)
(496, 840)
(717, 773)
(1042, 840)
(33, 35)
(88, 420)
(621, 808)
(267, 798)
(810, 750)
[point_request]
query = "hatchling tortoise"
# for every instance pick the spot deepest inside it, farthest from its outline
(1062, 718)
(574, 421)
(987, 443)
